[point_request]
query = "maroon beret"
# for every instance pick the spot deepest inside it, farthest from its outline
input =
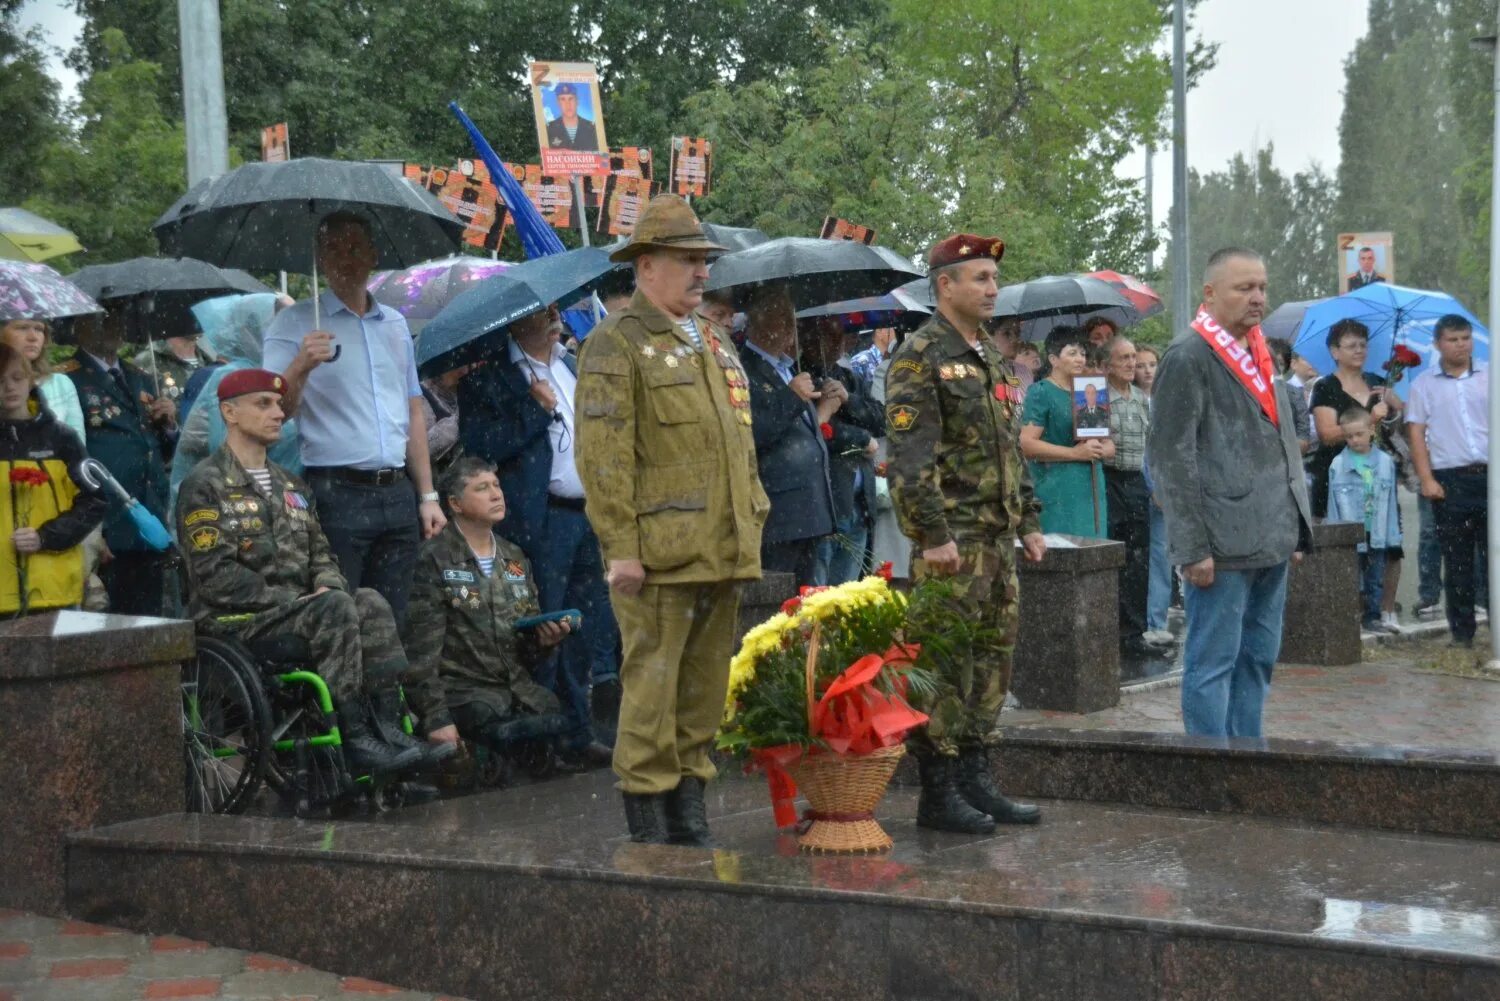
(250, 380)
(964, 247)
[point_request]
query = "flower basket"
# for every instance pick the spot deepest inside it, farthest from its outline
(843, 791)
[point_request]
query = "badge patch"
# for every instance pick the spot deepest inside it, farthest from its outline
(907, 365)
(900, 417)
(462, 576)
(200, 515)
(205, 539)
(294, 501)
(514, 570)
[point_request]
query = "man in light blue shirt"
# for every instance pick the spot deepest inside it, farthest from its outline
(353, 387)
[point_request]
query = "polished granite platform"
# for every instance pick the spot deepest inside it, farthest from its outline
(534, 892)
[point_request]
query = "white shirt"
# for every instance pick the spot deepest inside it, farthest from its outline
(1455, 414)
(565, 481)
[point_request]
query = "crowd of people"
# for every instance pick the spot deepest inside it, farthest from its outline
(547, 546)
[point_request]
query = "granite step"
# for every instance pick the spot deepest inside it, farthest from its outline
(534, 892)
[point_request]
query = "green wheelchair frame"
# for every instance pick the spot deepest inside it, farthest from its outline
(248, 723)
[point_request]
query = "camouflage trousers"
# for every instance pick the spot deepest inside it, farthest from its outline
(353, 638)
(969, 697)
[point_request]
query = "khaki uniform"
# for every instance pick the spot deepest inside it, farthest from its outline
(668, 466)
(460, 639)
(171, 371)
(956, 473)
(249, 554)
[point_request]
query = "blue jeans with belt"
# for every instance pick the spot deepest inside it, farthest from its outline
(1233, 637)
(570, 574)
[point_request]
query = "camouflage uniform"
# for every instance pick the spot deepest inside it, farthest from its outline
(463, 650)
(168, 371)
(253, 555)
(667, 459)
(956, 474)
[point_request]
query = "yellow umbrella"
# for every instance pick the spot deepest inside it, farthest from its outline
(26, 236)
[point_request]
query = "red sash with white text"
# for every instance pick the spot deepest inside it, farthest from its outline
(1252, 365)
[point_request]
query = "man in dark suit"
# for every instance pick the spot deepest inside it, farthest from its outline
(128, 429)
(844, 556)
(791, 425)
(1366, 275)
(569, 130)
(518, 413)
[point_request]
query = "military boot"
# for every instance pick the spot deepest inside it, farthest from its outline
(687, 816)
(364, 749)
(941, 806)
(387, 704)
(647, 818)
(979, 790)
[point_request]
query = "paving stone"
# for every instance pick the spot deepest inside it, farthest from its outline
(187, 987)
(208, 962)
(90, 946)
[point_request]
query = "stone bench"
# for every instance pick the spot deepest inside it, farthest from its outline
(1068, 652)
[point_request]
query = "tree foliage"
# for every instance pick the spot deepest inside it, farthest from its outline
(28, 106)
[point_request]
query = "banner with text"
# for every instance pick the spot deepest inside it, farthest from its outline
(691, 167)
(625, 198)
(569, 118)
(842, 229)
(467, 192)
(275, 147)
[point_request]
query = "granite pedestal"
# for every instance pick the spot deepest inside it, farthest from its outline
(92, 735)
(761, 599)
(1068, 652)
(1322, 600)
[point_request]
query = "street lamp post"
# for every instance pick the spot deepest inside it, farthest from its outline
(1181, 305)
(203, 89)
(1494, 369)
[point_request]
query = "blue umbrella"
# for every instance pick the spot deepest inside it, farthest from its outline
(1395, 315)
(97, 479)
(465, 330)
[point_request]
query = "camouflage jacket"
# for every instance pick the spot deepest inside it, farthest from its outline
(954, 462)
(247, 552)
(167, 373)
(459, 639)
(665, 448)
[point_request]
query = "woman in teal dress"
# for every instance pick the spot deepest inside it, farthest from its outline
(1067, 473)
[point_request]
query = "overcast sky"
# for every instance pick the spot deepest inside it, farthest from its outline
(1280, 79)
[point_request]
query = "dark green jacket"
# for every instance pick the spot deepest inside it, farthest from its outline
(459, 639)
(246, 552)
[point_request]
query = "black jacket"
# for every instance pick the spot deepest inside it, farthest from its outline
(859, 420)
(791, 454)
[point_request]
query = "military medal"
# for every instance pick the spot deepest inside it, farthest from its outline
(671, 361)
(647, 351)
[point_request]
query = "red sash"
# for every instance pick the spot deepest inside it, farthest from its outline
(1252, 367)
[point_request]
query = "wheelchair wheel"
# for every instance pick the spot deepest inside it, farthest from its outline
(312, 780)
(226, 726)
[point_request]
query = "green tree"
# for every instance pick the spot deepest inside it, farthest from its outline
(124, 165)
(28, 106)
(1470, 74)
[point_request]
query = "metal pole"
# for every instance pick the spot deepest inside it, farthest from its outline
(1150, 204)
(1494, 370)
(1182, 303)
(203, 89)
(583, 212)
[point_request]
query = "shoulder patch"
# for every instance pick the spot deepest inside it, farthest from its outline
(460, 576)
(71, 365)
(199, 516)
(908, 365)
(901, 416)
(515, 570)
(204, 539)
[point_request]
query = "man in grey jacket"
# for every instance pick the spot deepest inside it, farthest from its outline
(1228, 470)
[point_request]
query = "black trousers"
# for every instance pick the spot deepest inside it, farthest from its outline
(373, 532)
(798, 557)
(1130, 523)
(136, 582)
(1463, 536)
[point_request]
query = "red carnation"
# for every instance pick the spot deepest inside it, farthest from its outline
(1401, 359)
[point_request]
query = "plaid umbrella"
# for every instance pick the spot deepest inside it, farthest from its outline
(36, 292)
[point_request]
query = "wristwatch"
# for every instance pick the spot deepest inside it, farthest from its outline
(424, 498)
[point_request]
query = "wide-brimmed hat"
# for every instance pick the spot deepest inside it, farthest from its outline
(668, 223)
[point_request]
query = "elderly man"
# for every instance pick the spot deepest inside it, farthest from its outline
(352, 385)
(964, 497)
(1129, 499)
(1227, 468)
(668, 465)
(792, 432)
(522, 416)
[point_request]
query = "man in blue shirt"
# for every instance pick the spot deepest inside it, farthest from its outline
(352, 384)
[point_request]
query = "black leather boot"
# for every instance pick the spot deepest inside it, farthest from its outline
(687, 817)
(941, 806)
(364, 749)
(646, 816)
(387, 705)
(978, 788)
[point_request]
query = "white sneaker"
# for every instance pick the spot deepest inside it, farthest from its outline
(1388, 619)
(1159, 637)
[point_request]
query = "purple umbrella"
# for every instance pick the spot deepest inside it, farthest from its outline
(36, 292)
(421, 291)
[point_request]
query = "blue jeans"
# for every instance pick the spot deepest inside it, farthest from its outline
(1233, 637)
(1372, 582)
(843, 556)
(372, 531)
(1159, 585)
(571, 575)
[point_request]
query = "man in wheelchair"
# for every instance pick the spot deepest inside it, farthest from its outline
(469, 673)
(261, 567)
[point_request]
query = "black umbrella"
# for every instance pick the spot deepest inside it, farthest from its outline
(1286, 319)
(265, 216)
(1047, 302)
(469, 328)
(163, 277)
(734, 237)
(817, 271)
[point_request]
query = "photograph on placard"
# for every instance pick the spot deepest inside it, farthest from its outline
(275, 147)
(630, 161)
(690, 170)
(468, 193)
(569, 118)
(1090, 407)
(1365, 259)
(625, 198)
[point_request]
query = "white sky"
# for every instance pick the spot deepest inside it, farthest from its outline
(1280, 79)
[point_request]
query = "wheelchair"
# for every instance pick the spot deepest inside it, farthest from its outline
(256, 713)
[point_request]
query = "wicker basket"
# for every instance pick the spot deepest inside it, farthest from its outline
(843, 792)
